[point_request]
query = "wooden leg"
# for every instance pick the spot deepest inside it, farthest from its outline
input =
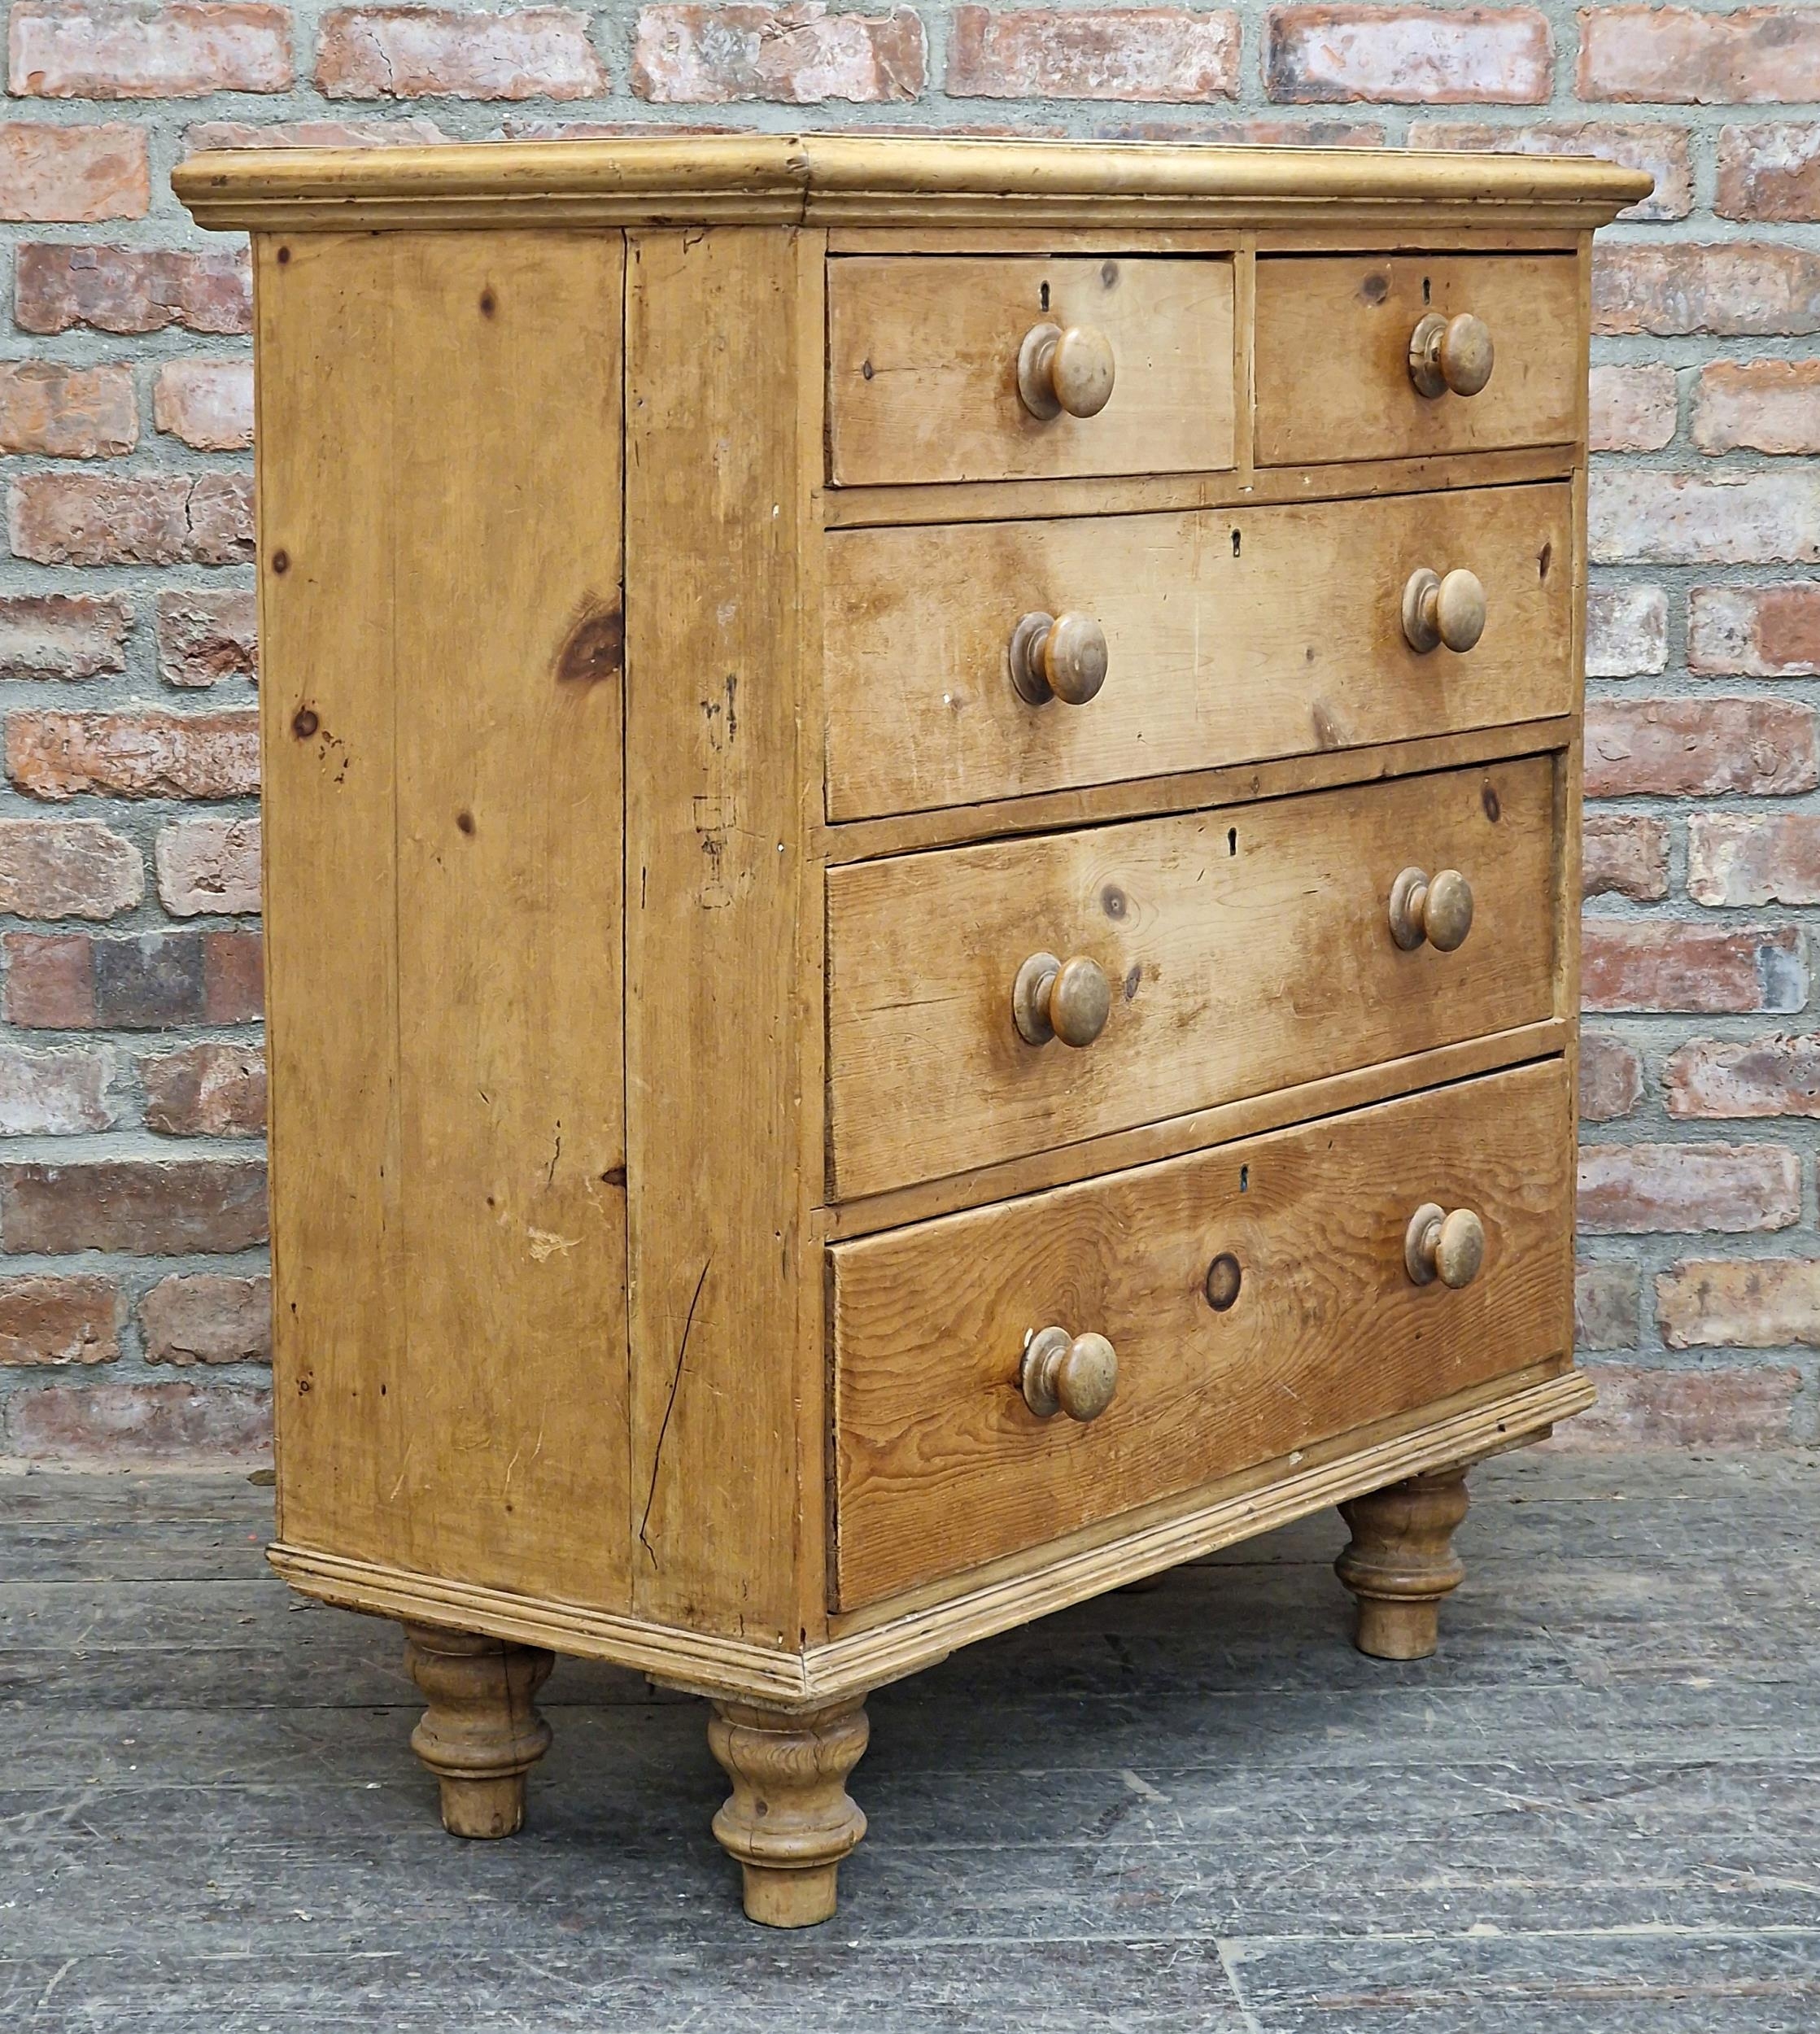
(1400, 1561)
(482, 1732)
(789, 1820)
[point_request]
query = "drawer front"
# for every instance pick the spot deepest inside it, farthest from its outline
(1247, 949)
(940, 1464)
(1332, 371)
(923, 367)
(1229, 637)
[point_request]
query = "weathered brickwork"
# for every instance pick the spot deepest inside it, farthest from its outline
(134, 1308)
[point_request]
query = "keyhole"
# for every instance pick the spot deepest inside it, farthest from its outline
(1232, 840)
(1235, 544)
(1245, 1179)
(1426, 296)
(1043, 295)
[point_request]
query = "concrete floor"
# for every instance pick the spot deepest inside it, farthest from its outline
(1196, 1808)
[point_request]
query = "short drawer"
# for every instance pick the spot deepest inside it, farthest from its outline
(1227, 636)
(923, 368)
(1243, 950)
(1334, 337)
(1257, 1299)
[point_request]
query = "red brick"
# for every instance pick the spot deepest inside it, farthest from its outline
(108, 1425)
(1627, 631)
(1606, 1306)
(143, 519)
(63, 635)
(1611, 1078)
(72, 175)
(1669, 964)
(1641, 1189)
(146, 754)
(203, 1317)
(66, 981)
(1767, 631)
(1639, 1408)
(1765, 406)
(1409, 55)
(215, 1088)
(121, 50)
(62, 1321)
(407, 131)
(131, 289)
(1624, 854)
(1769, 173)
(1652, 145)
(60, 1093)
(67, 412)
(1237, 131)
(1700, 748)
(208, 866)
(1095, 53)
(1632, 408)
(67, 868)
(1739, 858)
(1771, 1303)
(144, 1207)
(1772, 1076)
(690, 54)
(429, 52)
(207, 403)
(1641, 516)
(207, 635)
(1739, 289)
(1675, 56)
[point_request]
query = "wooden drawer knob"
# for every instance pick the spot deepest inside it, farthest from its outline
(1440, 911)
(1073, 1374)
(1454, 354)
(1437, 610)
(1072, 370)
(1070, 1000)
(1438, 1245)
(1057, 656)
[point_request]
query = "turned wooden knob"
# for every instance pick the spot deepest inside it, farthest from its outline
(1073, 1374)
(1057, 656)
(1438, 1245)
(1070, 370)
(1437, 610)
(1070, 1000)
(1439, 911)
(1453, 354)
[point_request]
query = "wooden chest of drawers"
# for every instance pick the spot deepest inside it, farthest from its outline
(921, 885)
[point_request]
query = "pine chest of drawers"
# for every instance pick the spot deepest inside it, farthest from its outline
(921, 893)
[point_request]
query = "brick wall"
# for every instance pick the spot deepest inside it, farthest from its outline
(133, 1308)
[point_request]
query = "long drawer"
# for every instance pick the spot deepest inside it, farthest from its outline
(1257, 1298)
(1333, 338)
(1230, 636)
(923, 362)
(1244, 950)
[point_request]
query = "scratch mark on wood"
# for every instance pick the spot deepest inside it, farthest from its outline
(663, 1431)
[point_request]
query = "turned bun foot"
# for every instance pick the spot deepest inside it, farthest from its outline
(1400, 1562)
(789, 1820)
(482, 1732)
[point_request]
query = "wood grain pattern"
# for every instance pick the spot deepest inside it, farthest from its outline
(1204, 923)
(1230, 637)
(939, 1465)
(923, 361)
(722, 946)
(443, 729)
(1332, 339)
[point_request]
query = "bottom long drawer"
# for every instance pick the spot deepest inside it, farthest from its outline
(1256, 1297)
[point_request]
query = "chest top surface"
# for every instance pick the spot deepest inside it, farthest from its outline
(847, 180)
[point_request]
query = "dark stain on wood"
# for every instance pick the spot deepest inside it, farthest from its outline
(595, 647)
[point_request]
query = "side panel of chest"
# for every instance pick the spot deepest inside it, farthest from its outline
(441, 708)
